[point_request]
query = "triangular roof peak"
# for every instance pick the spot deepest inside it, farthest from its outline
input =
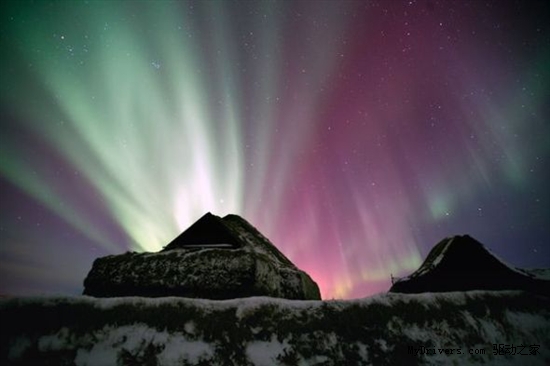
(208, 231)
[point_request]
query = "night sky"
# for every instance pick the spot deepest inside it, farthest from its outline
(354, 135)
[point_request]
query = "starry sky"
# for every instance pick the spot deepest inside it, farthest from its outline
(353, 134)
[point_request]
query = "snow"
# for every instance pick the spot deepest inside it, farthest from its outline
(189, 327)
(19, 346)
(265, 353)
(175, 348)
(530, 323)
(540, 273)
(266, 331)
(99, 355)
(427, 267)
(178, 349)
(442, 253)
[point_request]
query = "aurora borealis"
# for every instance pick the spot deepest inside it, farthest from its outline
(353, 134)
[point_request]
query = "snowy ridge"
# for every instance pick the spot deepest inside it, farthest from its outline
(379, 330)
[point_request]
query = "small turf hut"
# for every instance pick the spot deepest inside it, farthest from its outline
(215, 258)
(461, 263)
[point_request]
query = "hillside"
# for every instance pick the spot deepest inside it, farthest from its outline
(387, 329)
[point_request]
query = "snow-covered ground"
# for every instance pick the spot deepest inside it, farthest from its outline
(459, 328)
